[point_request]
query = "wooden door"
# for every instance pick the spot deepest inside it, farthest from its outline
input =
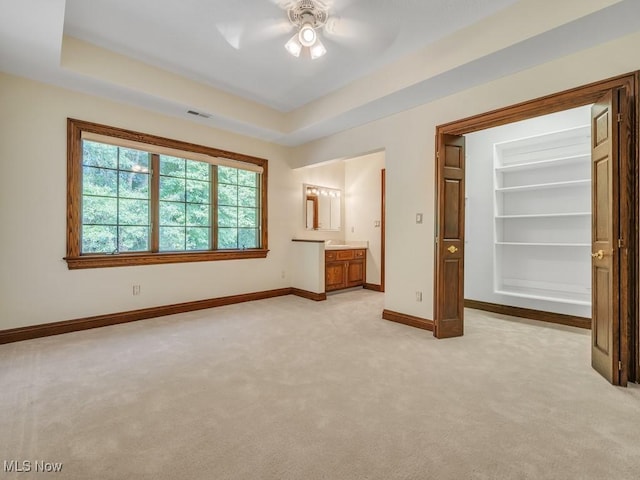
(605, 328)
(449, 291)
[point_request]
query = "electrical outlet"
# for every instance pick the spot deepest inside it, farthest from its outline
(376, 223)
(418, 296)
(136, 289)
(283, 274)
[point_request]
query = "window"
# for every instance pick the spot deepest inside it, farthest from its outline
(137, 199)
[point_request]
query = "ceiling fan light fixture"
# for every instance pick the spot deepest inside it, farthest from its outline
(317, 50)
(307, 35)
(293, 46)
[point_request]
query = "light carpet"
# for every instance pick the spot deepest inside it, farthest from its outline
(287, 388)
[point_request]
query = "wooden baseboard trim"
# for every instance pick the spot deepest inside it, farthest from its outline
(373, 286)
(558, 318)
(410, 320)
(318, 297)
(67, 326)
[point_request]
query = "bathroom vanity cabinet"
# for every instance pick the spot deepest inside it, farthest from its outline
(345, 268)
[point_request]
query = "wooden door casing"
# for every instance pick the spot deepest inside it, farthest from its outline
(449, 292)
(626, 198)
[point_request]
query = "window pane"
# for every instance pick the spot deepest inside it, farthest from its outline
(99, 154)
(116, 207)
(99, 239)
(227, 238)
(134, 212)
(99, 181)
(198, 238)
(247, 238)
(227, 195)
(247, 217)
(197, 191)
(238, 206)
(171, 238)
(247, 179)
(227, 217)
(134, 185)
(171, 166)
(198, 215)
(172, 213)
(133, 239)
(172, 189)
(247, 197)
(198, 170)
(227, 175)
(134, 160)
(99, 210)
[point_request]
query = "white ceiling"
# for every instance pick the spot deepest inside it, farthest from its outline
(188, 37)
(385, 56)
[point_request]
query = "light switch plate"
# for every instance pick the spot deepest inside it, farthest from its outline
(418, 218)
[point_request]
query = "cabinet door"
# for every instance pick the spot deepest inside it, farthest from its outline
(355, 273)
(335, 276)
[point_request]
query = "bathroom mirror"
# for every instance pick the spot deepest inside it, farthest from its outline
(322, 207)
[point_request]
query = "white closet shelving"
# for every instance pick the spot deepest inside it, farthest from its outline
(542, 217)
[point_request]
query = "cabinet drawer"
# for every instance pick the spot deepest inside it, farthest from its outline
(344, 254)
(330, 255)
(359, 253)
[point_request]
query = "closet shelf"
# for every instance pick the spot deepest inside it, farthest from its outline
(547, 215)
(542, 244)
(544, 163)
(542, 186)
(549, 296)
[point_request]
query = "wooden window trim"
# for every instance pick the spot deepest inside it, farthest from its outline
(74, 258)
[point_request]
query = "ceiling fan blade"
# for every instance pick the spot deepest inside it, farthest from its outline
(270, 30)
(231, 32)
(284, 4)
(357, 34)
(240, 34)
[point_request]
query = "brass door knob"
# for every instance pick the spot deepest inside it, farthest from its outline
(452, 249)
(599, 254)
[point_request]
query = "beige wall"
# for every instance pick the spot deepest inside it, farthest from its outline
(35, 285)
(408, 140)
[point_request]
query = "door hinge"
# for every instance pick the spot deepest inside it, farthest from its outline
(438, 155)
(619, 117)
(620, 243)
(619, 366)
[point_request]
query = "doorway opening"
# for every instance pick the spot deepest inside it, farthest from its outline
(614, 235)
(359, 183)
(528, 218)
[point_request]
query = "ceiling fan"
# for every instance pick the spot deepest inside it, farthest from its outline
(307, 16)
(308, 19)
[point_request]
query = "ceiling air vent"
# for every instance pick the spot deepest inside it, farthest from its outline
(198, 114)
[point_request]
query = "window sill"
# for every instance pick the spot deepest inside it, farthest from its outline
(133, 259)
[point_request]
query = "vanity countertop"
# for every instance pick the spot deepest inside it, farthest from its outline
(348, 245)
(336, 244)
(344, 247)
